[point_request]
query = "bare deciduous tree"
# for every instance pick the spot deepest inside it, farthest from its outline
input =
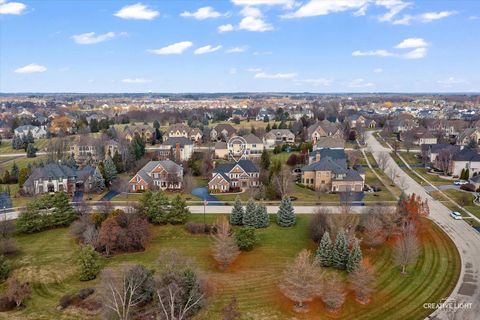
(225, 249)
(407, 248)
(361, 281)
(334, 297)
(301, 280)
(383, 160)
(17, 291)
(283, 181)
(373, 233)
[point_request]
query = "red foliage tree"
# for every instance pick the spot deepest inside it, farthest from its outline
(413, 208)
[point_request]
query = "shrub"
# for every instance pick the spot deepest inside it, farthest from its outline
(85, 293)
(468, 187)
(197, 228)
(65, 301)
(6, 304)
(4, 268)
(88, 263)
(246, 238)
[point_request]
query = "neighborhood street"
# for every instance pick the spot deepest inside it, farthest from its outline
(465, 238)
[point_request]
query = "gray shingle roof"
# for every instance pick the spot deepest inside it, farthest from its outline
(247, 165)
(181, 140)
(51, 170)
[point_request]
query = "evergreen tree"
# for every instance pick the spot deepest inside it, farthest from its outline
(94, 125)
(340, 251)
(156, 124)
(249, 216)
(70, 162)
(88, 263)
(467, 174)
(29, 137)
(286, 214)
(138, 147)
(110, 170)
(462, 174)
(265, 159)
(262, 217)
(6, 177)
(236, 217)
(31, 220)
(4, 268)
(23, 176)
(179, 211)
(274, 126)
(63, 214)
(268, 128)
(324, 252)
(98, 183)
(282, 125)
(31, 151)
(14, 173)
(118, 161)
(154, 205)
(355, 257)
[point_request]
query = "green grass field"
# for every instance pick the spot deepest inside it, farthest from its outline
(6, 146)
(47, 260)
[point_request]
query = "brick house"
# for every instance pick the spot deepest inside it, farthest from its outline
(164, 174)
(234, 176)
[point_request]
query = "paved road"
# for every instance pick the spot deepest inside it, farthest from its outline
(465, 238)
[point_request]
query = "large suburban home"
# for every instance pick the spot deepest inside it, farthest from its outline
(265, 114)
(163, 174)
(475, 180)
(222, 132)
(91, 151)
(466, 158)
(182, 130)
(329, 143)
(418, 136)
(370, 123)
(332, 175)
(324, 128)
(52, 177)
(231, 177)
(142, 130)
(355, 121)
(240, 114)
(433, 152)
(176, 148)
(403, 122)
(252, 149)
(299, 114)
(37, 132)
(468, 135)
(278, 137)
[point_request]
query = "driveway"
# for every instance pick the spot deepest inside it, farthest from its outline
(429, 188)
(202, 193)
(466, 239)
(109, 195)
(5, 200)
(77, 196)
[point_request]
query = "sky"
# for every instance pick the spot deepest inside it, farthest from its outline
(175, 46)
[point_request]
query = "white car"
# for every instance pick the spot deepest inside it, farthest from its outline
(456, 215)
(460, 182)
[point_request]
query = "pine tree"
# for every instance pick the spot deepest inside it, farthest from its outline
(286, 214)
(179, 211)
(154, 205)
(30, 137)
(110, 170)
(265, 159)
(31, 151)
(63, 214)
(88, 263)
(14, 173)
(236, 217)
(118, 161)
(249, 216)
(324, 252)
(262, 217)
(98, 183)
(340, 251)
(354, 257)
(268, 128)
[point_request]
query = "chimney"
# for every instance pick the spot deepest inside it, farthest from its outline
(177, 151)
(317, 156)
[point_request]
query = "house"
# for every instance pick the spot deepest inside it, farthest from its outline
(338, 155)
(329, 143)
(164, 174)
(467, 135)
(475, 180)
(234, 177)
(221, 150)
(222, 131)
(253, 148)
(91, 151)
(445, 127)
(332, 175)
(37, 132)
(466, 158)
(240, 114)
(430, 152)
(355, 121)
(52, 177)
(176, 148)
(265, 114)
(182, 130)
(403, 122)
(370, 123)
(142, 130)
(85, 180)
(278, 136)
(418, 136)
(299, 114)
(324, 128)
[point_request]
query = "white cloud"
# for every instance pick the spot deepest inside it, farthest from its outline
(360, 83)
(137, 11)
(317, 82)
(405, 20)
(92, 37)
(432, 16)
(412, 43)
(225, 28)
(202, 13)
(11, 7)
(451, 81)
(394, 7)
(31, 68)
(253, 20)
(176, 48)
(285, 3)
(283, 76)
(136, 80)
(378, 70)
(375, 53)
(321, 8)
(417, 53)
(207, 49)
(236, 49)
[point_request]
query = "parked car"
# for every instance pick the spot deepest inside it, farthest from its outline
(456, 215)
(460, 182)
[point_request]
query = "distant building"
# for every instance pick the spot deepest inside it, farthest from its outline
(37, 132)
(181, 130)
(467, 135)
(324, 128)
(142, 130)
(164, 174)
(223, 132)
(465, 159)
(265, 114)
(176, 148)
(278, 136)
(329, 143)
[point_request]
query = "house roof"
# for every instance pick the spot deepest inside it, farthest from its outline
(180, 140)
(247, 165)
(51, 170)
(168, 165)
(435, 148)
(329, 142)
(466, 154)
(351, 175)
(251, 138)
(326, 164)
(225, 126)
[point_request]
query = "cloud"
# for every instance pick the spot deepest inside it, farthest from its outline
(283, 76)
(207, 49)
(236, 49)
(137, 11)
(321, 8)
(92, 37)
(418, 53)
(11, 7)
(176, 48)
(202, 14)
(285, 3)
(378, 70)
(394, 7)
(412, 43)
(225, 28)
(360, 83)
(253, 20)
(451, 81)
(375, 53)
(317, 82)
(31, 68)
(432, 16)
(136, 80)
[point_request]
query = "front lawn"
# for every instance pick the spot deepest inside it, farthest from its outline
(47, 261)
